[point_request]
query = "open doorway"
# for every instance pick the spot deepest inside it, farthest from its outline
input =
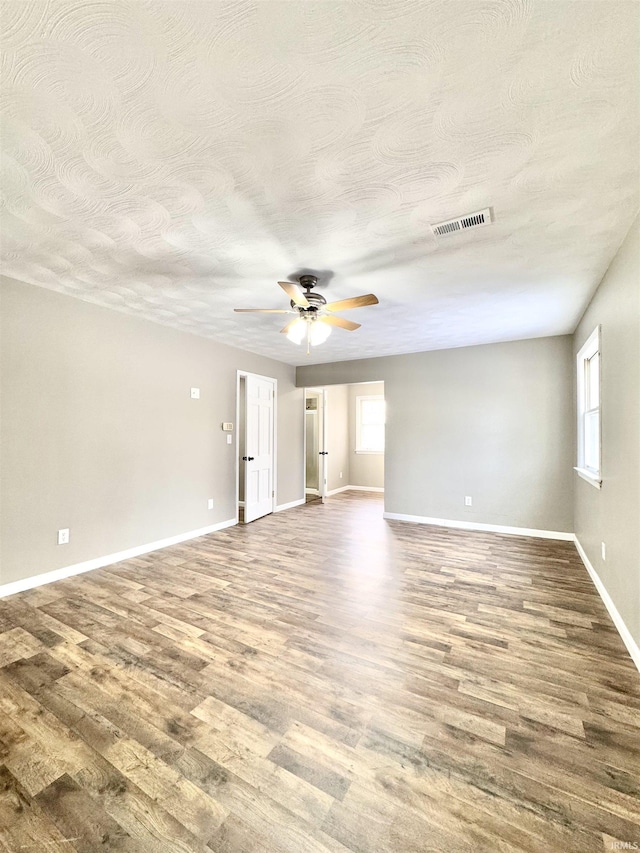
(344, 439)
(367, 417)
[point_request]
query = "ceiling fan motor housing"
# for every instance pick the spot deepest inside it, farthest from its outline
(315, 300)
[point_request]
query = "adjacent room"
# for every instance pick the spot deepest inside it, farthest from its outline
(344, 439)
(320, 426)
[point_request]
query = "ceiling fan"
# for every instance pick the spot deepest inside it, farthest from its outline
(315, 315)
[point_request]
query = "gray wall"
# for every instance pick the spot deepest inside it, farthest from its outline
(495, 422)
(338, 436)
(366, 469)
(612, 514)
(99, 433)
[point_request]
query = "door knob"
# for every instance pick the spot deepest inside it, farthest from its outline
(323, 453)
(248, 458)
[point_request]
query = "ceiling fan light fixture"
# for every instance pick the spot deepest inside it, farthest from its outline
(297, 331)
(318, 332)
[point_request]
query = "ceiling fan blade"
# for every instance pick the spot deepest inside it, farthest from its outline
(341, 322)
(293, 292)
(262, 310)
(354, 302)
(288, 326)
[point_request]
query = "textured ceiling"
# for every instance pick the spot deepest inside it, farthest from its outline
(174, 160)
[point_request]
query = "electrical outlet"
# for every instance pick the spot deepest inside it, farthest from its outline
(468, 500)
(195, 393)
(604, 550)
(210, 503)
(63, 536)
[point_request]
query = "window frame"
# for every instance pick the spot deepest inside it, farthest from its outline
(590, 348)
(359, 400)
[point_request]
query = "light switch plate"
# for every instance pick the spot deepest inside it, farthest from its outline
(229, 439)
(195, 393)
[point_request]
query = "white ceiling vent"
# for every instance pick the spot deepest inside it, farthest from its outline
(463, 223)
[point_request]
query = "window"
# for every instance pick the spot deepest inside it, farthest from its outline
(588, 375)
(370, 424)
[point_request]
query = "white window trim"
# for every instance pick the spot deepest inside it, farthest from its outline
(358, 401)
(590, 347)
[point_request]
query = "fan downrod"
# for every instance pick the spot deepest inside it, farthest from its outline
(315, 300)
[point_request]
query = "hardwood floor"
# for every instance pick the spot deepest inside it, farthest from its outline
(320, 680)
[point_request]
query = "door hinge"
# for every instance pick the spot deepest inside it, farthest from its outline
(273, 494)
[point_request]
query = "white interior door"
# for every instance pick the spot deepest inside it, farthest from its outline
(259, 450)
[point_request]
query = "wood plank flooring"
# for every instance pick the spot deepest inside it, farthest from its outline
(320, 680)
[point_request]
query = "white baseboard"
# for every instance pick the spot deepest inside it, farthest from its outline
(354, 489)
(99, 562)
(475, 525)
(627, 639)
(290, 505)
(335, 491)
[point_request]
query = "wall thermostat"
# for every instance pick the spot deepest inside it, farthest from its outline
(227, 427)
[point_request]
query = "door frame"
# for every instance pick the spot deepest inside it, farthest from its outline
(240, 374)
(323, 471)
